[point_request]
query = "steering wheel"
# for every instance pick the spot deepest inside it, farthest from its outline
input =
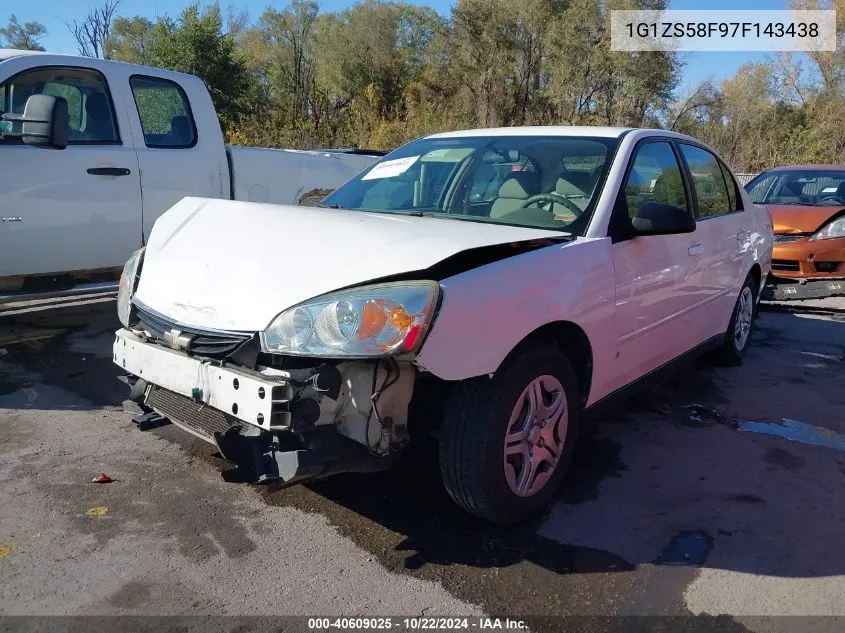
(832, 196)
(553, 196)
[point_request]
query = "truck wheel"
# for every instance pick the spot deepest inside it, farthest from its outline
(506, 441)
(740, 327)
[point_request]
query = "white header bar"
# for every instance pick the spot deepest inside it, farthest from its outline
(723, 30)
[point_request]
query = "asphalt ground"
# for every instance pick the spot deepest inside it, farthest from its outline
(713, 492)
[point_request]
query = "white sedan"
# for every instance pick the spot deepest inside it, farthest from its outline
(482, 287)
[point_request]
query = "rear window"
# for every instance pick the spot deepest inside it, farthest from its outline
(165, 112)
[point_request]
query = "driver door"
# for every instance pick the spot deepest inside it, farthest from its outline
(77, 209)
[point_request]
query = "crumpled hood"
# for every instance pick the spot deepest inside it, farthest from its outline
(235, 265)
(793, 218)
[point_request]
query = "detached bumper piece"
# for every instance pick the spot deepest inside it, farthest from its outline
(260, 459)
(816, 289)
(258, 456)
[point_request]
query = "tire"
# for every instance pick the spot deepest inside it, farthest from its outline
(732, 351)
(478, 415)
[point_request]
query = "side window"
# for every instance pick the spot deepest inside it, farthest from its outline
(90, 110)
(164, 111)
(711, 193)
(655, 176)
(733, 189)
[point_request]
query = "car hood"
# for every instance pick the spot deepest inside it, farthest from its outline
(793, 218)
(235, 265)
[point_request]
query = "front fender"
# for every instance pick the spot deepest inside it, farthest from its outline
(486, 312)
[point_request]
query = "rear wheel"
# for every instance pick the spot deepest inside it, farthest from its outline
(507, 441)
(740, 327)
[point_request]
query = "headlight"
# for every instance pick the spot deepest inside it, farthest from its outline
(128, 283)
(831, 230)
(368, 321)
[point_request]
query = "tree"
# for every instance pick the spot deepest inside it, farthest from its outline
(195, 43)
(24, 36)
(129, 40)
(92, 32)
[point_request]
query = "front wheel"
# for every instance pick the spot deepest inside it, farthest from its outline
(507, 441)
(733, 348)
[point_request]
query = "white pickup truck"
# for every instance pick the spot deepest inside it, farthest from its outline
(93, 152)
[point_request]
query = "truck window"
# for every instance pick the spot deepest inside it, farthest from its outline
(164, 111)
(90, 109)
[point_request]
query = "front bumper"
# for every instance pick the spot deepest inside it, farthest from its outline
(805, 259)
(256, 419)
(242, 395)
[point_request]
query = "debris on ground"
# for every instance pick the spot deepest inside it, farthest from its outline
(97, 511)
(6, 549)
(102, 478)
(701, 413)
(3, 351)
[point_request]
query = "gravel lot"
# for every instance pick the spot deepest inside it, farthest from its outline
(672, 508)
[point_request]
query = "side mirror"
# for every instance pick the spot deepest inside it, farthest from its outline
(45, 122)
(655, 218)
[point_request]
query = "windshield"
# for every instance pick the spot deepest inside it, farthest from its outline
(800, 186)
(541, 182)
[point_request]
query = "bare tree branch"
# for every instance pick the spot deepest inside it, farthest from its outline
(92, 32)
(693, 101)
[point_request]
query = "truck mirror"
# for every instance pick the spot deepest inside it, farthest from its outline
(44, 121)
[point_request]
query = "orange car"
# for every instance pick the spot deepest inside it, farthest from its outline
(807, 204)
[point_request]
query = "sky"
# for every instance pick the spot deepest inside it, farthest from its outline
(55, 13)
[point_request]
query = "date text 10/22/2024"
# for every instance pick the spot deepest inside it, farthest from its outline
(413, 624)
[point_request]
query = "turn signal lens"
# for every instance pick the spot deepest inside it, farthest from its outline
(373, 319)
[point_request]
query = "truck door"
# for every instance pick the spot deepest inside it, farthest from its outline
(178, 157)
(77, 209)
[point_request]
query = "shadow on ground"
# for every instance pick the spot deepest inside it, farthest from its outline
(68, 349)
(666, 463)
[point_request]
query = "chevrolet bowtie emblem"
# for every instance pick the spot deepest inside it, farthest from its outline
(176, 340)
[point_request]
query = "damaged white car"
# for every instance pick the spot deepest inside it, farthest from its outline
(481, 287)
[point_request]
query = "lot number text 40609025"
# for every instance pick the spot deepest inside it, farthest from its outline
(414, 624)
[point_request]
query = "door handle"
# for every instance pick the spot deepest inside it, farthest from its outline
(108, 171)
(695, 249)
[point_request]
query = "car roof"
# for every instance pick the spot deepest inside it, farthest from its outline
(8, 53)
(60, 59)
(806, 168)
(538, 130)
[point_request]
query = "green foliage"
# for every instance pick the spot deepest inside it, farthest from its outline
(383, 72)
(193, 43)
(129, 40)
(24, 36)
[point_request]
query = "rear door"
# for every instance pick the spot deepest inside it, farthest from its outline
(719, 215)
(657, 276)
(178, 157)
(77, 209)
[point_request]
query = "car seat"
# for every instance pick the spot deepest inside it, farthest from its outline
(514, 191)
(98, 119)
